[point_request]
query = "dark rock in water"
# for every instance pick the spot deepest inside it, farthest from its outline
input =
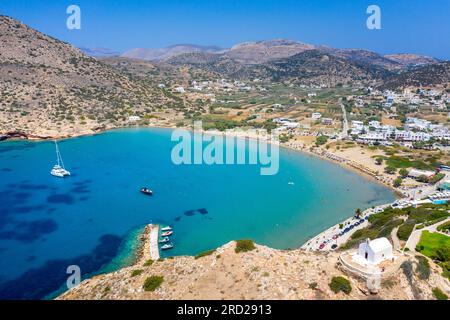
(60, 198)
(189, 213)
(36, 283)
(177, 219)
(202, 211)
(28, 232)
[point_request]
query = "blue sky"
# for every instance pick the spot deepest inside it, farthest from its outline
(414, 26)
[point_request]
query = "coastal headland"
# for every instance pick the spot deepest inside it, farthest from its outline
(262, 273)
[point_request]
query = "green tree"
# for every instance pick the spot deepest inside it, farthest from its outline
(403, 173)
(321, 140)
(397, 182)
(390, 169)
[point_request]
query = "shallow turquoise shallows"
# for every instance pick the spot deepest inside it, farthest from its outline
(48, 223)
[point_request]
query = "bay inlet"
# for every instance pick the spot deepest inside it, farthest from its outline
(47, 224)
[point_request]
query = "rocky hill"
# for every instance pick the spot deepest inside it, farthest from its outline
(367, 57)
(431, 74)
(221, 64)
(99, 52)
(263, 273)
(315, 67)
(51, 88)
(264, 51)
(168, 52)
(408, 59)
(308, 67)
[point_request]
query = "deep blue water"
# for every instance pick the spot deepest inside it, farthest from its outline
(47, 223)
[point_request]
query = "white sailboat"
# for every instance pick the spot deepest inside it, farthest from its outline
(58, 169)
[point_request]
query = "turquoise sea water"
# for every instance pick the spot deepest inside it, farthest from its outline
(47, 224)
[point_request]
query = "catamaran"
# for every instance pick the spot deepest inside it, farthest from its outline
(58, 169)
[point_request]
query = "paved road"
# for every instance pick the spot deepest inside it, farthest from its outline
(395, 240)
(344, 133)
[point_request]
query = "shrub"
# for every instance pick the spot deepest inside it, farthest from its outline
(152, 283)
(338, 284)
(403, 172)
(422, 178)
(423, 268)
(320, 140)
(397, 182)
(437, 177)
(148, 263)
(404, 231)
(136, 272)
(244, 246)
(313, 285)
(439, 295)
(390, 169)
(442, 254)
(444, 227)
(205, 253)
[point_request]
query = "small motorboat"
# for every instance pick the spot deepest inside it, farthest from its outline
(166, 234)
(167, 246)
(146, 191)
(166, 229)
(164, 240)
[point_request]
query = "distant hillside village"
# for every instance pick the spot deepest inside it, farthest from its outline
(408, 131)
(415, 131)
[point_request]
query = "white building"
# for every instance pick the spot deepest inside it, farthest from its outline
(402, 135)
(372, 137)
(415, 123)
(316, 116)
(179, 89)
(327, 121)
(278, 106)
(375, 251)
(134, 118)
(286, 123)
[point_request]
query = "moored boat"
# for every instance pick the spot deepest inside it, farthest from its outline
(58, 169)
(166, 234)
(167, 246)
(164, 240)
(168, 228)
(146, 191)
